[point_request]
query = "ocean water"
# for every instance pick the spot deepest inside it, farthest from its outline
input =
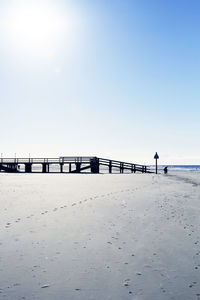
(180, 168)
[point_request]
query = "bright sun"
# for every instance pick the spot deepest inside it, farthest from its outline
(34, 26)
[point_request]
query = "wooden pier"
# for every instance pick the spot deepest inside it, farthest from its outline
(69, 164)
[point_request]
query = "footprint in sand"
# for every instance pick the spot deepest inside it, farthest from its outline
(45, 286)
(16, 284)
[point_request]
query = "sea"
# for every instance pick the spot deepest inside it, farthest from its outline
(180, 168)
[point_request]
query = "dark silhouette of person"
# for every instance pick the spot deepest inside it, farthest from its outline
(165, 170)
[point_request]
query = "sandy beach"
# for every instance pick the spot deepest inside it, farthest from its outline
(94, 237)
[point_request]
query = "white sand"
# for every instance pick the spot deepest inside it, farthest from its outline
(100, 237)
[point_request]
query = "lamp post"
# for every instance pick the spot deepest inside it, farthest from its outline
(156, 157)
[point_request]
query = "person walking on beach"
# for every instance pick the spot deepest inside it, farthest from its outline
(165, 170)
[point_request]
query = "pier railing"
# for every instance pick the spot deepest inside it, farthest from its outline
(67, 159)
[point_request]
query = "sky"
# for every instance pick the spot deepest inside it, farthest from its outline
(108, 78)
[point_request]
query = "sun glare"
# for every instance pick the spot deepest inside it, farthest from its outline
(35, 27)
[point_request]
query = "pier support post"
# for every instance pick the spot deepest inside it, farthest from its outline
(61, 167)
(121, 168)
(78, 167)
(131, 168)
(134, 170)
(94, 164)
(28, 168)
(70, 167)
(44, 168)
(110, 166)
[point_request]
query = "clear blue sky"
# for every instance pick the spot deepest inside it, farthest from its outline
(116, 79)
